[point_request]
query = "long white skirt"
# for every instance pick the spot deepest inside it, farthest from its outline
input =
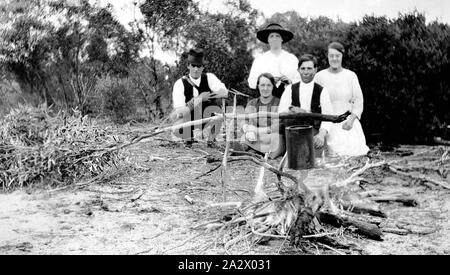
(347, 143)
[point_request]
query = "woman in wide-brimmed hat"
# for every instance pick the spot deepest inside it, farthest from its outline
(278, 62)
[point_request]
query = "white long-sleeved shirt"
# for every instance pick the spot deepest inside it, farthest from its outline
(344, 89)
(178, 89)
(284, 64)
(305, 94)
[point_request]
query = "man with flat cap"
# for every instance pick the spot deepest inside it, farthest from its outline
(194, 93)
(278, 62)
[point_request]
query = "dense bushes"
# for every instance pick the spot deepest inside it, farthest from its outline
(402, 65)
(118, 103)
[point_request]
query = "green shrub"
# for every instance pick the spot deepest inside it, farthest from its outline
(119, 103)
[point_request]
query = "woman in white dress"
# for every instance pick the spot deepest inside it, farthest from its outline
(345, 138)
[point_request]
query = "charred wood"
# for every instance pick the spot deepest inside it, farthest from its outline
(360, 208)
(405, 200)
(366, 229)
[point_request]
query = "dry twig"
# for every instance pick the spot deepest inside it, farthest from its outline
(422, 178)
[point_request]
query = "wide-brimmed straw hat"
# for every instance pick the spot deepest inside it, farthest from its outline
(263, 34)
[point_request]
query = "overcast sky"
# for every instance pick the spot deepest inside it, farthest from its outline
(346, 10)
(349, 10)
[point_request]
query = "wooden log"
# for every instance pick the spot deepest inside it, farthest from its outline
(416, 168)
(395, 231)
(422, 178)
(405, 200)
(289, 115)
(365, 229)
(361, 208)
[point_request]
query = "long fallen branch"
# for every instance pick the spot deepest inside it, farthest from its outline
(355, 176)
(402, 231)
(208, 172)
(405, 200)
(288, 115)
(422, 178)
(395, 231)
(220, 117)
(416, 168)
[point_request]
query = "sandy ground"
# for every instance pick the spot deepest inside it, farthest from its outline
(146, 210)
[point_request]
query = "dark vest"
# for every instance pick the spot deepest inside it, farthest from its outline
(189, 94)
(315, 101)
(189, 90)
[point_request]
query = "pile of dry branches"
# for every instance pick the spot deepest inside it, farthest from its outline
(38, 146)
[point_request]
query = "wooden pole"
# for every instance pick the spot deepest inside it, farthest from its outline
(288, 115)
(259, 188)
(225, 155)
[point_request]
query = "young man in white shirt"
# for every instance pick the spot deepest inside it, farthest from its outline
(194, 93)
(308, 96)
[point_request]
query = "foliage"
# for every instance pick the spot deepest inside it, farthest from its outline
(118, 102)
(142, 82)
(60, 61)
(41, 147)
(24, 45)
(165, 20)
(402, 66)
